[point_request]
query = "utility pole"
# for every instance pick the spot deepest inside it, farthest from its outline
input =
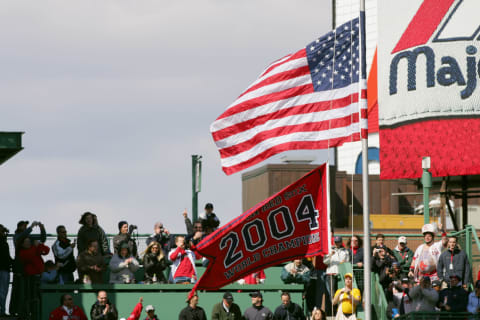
(196, 184)
(427, 184)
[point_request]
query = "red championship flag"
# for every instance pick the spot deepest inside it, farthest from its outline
(290, 224)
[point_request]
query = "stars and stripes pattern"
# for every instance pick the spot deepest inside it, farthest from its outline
(306, 100)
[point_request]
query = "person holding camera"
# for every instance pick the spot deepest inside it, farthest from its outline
(183, 267)
(162, 236)
(63, 252)
(424, 297)
(382, 264)
(333, 259)
(125, 236)
(347, 299)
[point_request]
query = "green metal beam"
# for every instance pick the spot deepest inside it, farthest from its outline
(10, 144)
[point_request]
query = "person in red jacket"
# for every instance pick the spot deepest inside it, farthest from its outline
(31, 256)
(67, 310)
(137, 311)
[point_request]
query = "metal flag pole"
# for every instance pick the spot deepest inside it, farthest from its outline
(367, 263)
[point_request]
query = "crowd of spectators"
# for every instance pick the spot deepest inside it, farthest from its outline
(434, 278)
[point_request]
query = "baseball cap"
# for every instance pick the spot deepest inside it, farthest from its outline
(348, 274)
(436, 283)
(149, 308)
(22, 222)
(337, 239)
(454, 275)
(395, 264)
(255, 294)
(227, 295)
(402, 239)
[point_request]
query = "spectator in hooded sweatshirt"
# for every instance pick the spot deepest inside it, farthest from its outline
(103, 309)
(63, 251)
(125, 236)
(154, 264)
(454, 261)
(90, 230)
(67, 310)
(183, 267)
(424, 297)
(402, 253)
(123, 266)
(455, 298)
(5, 267)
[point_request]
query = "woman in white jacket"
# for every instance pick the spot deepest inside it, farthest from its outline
(333, 259)
(123, 266)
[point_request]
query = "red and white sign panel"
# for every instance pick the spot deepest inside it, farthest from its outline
(290, 224)
(429, 105)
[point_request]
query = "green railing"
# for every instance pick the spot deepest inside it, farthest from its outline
(421, 315)
(379, 301)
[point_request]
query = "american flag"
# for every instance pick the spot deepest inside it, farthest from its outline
(306, 100)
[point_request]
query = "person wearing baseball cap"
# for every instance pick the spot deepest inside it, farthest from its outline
(150, 310)
(455, 298)
(333, 259)
(257, 310)
(402, 253)
(347, 299)
(192, 311)
(226, 309)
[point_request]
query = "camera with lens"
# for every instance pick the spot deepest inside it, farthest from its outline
(131, 228)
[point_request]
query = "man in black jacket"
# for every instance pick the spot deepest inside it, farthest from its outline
(288, 309)
(5, 266)
(103, 309)
(63, 251)
(192, 311)
(455, 298)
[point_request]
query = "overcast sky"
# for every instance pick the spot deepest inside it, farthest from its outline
(115, 96)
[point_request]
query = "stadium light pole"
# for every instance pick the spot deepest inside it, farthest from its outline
(427, 184)
(196, 184)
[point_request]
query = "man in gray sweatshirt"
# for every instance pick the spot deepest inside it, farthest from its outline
(257, 311)
(424, 297)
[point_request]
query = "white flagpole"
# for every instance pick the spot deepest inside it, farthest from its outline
(367, 257)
